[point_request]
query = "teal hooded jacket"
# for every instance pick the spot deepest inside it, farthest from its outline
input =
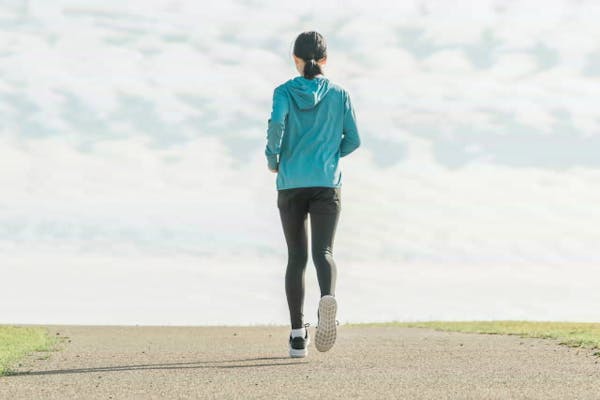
(312, 125)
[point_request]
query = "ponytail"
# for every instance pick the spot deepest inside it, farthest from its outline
(311, 69)
(310, 46)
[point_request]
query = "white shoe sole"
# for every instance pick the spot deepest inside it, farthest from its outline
(299, 353)
(327, 328)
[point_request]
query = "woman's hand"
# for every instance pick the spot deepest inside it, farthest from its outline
(274, 170)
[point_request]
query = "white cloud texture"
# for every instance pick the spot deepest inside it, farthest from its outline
(132, 138)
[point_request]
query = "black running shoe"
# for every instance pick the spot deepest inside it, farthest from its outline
(299, 345)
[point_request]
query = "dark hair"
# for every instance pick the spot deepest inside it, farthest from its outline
(310, 46)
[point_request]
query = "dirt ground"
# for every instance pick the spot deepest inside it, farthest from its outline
(149, 362)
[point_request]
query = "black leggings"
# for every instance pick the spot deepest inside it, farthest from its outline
(324, 206)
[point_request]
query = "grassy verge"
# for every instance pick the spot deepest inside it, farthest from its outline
(574, 334)
(16, 342)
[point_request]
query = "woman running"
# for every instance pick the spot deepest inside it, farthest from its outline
(312, 125)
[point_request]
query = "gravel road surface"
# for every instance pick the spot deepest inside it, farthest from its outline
(150, 362)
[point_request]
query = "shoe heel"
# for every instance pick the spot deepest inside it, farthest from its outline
(298, 353)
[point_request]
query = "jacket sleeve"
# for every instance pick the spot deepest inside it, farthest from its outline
(350, 138)
(276, 127)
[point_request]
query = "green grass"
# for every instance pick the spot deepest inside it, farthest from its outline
(16, 342)
(574, 334)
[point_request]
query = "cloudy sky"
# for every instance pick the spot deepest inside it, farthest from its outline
(135, 188)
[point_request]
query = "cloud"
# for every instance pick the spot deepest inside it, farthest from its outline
(135, 92)
(135, 130)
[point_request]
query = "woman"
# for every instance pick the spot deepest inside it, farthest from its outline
(312, 125)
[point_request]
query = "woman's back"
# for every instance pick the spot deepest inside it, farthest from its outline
(312, 125)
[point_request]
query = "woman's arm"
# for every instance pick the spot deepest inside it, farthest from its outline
(350, 138)
(276, 127)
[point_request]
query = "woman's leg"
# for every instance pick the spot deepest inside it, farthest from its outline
(323, 228)
(324, 216)
(294, 221)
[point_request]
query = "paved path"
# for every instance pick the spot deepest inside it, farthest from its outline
(251, 363)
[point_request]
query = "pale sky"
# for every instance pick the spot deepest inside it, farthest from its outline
(132, 134)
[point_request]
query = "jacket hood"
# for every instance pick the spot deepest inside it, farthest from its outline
(307, 93)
